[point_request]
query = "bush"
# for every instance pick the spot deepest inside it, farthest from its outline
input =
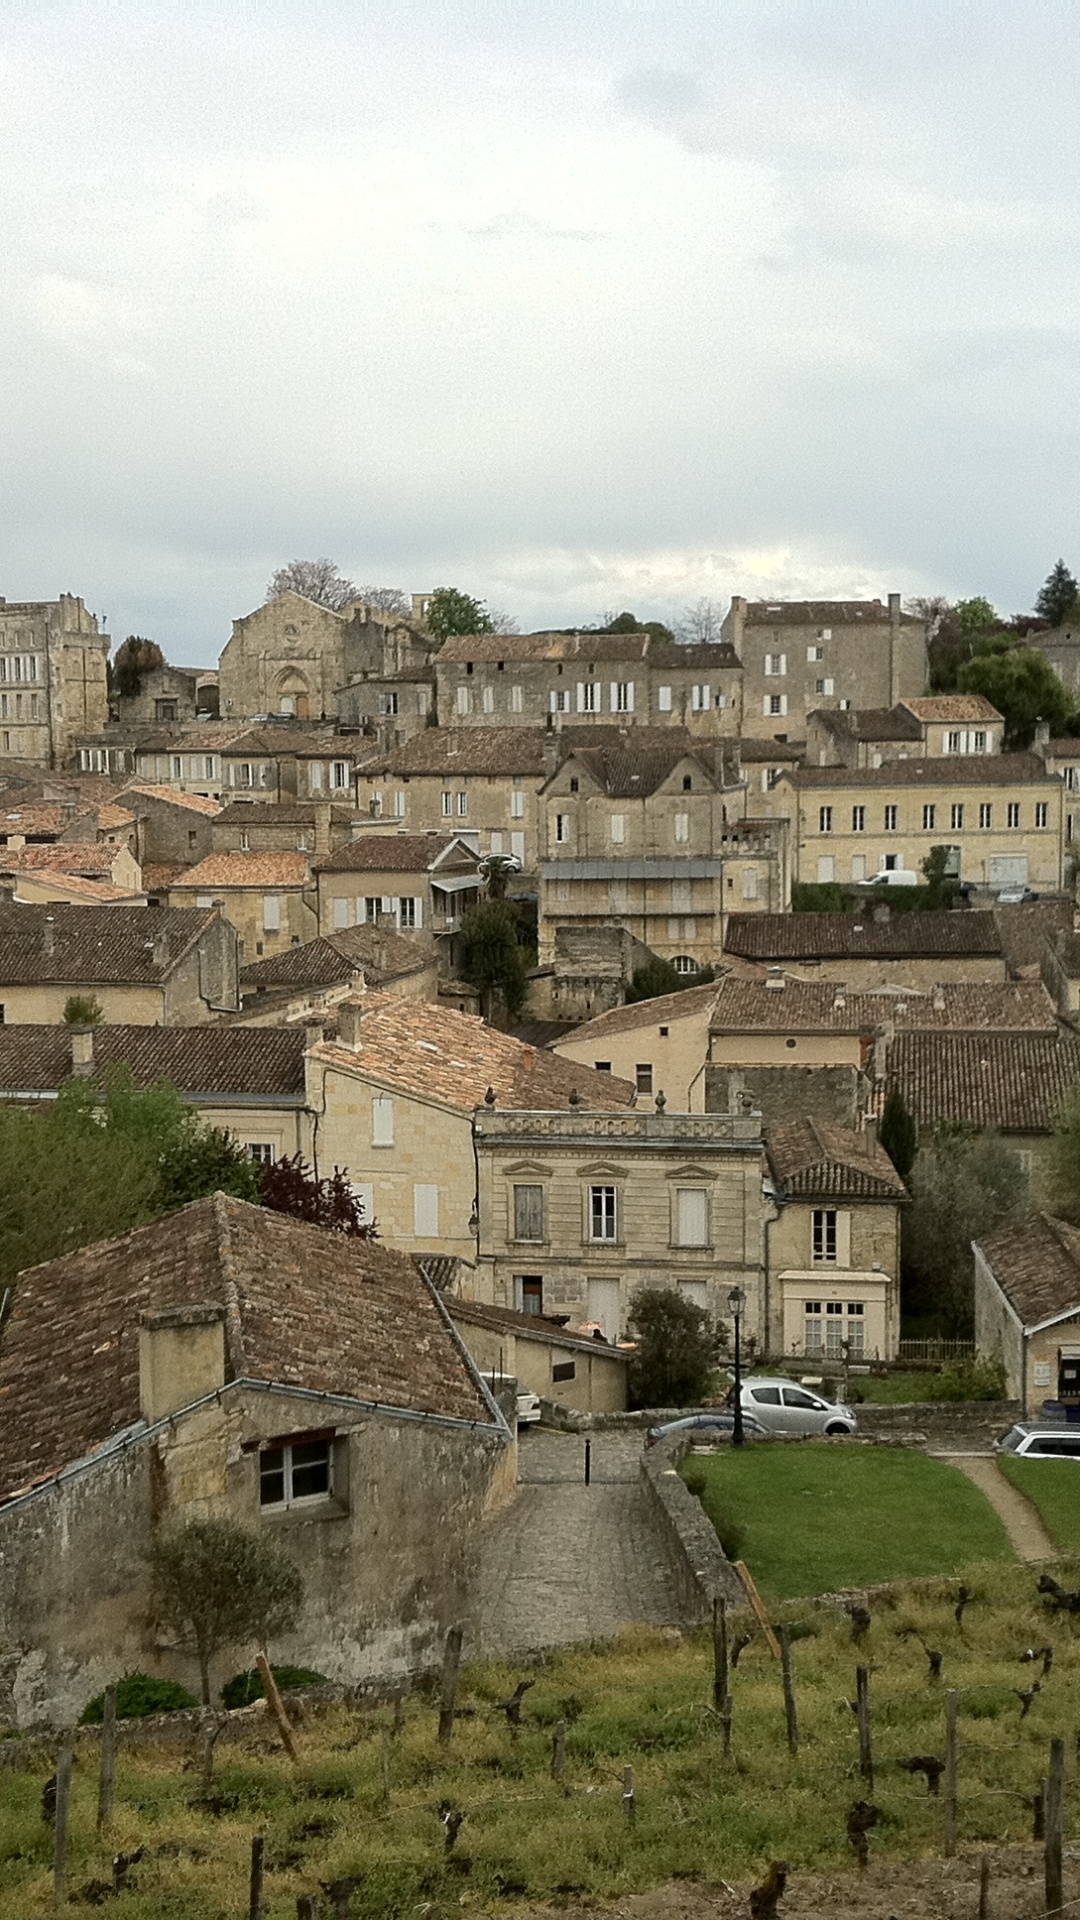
(243, 1688)
(730, 1532)
(138, 1694)
(975, 1379)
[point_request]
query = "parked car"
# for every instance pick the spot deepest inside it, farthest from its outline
(1016, 897)
(720, 1423)
(894, 877)
(782, 1406)
(1031, 1442)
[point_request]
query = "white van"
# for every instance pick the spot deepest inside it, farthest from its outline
(526, 1402)
(895, 877)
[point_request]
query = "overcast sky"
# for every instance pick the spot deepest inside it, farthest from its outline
(576, 305)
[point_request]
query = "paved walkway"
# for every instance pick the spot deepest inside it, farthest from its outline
(1027, 1535)
(565, 1562)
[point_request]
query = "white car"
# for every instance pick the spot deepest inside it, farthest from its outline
(782, 1406)
(526, 1402)
(1041, 1443)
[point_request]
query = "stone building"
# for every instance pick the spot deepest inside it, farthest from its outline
(626, 679)
(834, 1257)
(268, 897)
(1027, 1311)
(480, 782)
(172, 828)
(1000, 816)
(276, 764)
(294, 657)
(916, 729)
(53, 678)
(266, 826)
(660, 1046)
(168, 697)
(874, 949)
(543, 1356)
(801, 655)
(229, 1361)
(421, 883)
(146, 966)
(312, 978)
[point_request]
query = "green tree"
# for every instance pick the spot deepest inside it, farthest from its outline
(83, 1010)
(659, 976)
(676, 1350)
(492, 957)
(1058, 595)
(899, 1134)
(218, 1584)
(135, 658)
(1061, 1183)
(450, 612)
(963, 1184)
(975, 616)
(1022, 685)
(629, 623)
(941, 885)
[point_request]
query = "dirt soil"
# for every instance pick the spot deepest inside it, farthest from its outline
(893, 1890)
(1022, 1523)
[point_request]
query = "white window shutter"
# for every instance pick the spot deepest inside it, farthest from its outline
(382, 1121)
(425, 1211)
(614, 696)
(581, 696)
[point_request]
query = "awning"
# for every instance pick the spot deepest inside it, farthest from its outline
(457, 882)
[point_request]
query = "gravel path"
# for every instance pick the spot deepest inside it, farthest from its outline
(566, 1562)
(1026, 1532)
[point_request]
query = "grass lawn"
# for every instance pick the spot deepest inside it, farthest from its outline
(1054, 1487)
(892, 1389)
(815, 1518)
(644, 1700)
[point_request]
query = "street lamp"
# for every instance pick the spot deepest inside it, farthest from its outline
(736, 1301)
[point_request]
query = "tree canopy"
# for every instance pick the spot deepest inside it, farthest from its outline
(676, 1349)
(1062, 1177)
(318, 580)
(963, 1184)
(132, 660)
(899, 1134)
(701, 624)
(1058, 595)
(290, 1186)
(452, 612)
(218, 1584)
(659, 976)
(492, 957)
(1020, 682)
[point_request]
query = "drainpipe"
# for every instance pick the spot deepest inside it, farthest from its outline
(766, 1293)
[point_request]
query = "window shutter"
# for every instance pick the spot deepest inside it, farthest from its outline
(382, 1121)
(691, 1217)
(425, 1211)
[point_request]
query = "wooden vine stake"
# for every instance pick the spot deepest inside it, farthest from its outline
(758, 1605)
(277, 1706)
(984, 1887)
(720, 1652)
(60, 1833)
(862, 1709)
(256, 1901)
(628, 1803)
(108, 1759)
(558, 1750)
(952, 1706)
(1054, 1804)
(451, 1663)
(790, 1709)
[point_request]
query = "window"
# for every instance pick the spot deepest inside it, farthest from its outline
(622, 696)
(425, 1211)
(517, 806)
(376, 805)
(567, 1370)
(643, 1077)
(929, 818)
(813, 1327)
(517, 845)
(952, 745)
(487, 699)
(685, 963)
(461, 703)
(296, 1473)
(691, 1217)
(814, 653)
(447, 804)
(602, 1066)
(562, 827)
(826, 869)
(1012, 814)
(825, 1236)
(341, 912)
(619, 896)
(855, 1321)
(373, 906)
(315, 776)
(979, 743)
(388, 703)
(890, 819)
(858, 819)
(271, 913)
(663, 699)
(462, 805)
(400, 800)
(776, 704)
(824, 686)
(602, 1213)
(618, 829)
(986, 814)
(824, 819)
(339, 774)
(177, 767)
(700, 699)
(517, 698)
(245, 841)
(588, 696)
(559, 701)
(410, 910)
(776, 664)
(688, 783)
(529, 1293)
(750, 883)
(680, 896)
(261, 1152)
(528, 1213)
(382, 1121)
(682, 826)
(575, 784)
(1042, 813)
(956, 816)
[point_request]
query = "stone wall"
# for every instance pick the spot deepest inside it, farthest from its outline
(703, 1572)
(964, 1423)
(828, 1093)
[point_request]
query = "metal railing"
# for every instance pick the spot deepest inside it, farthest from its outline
(936, 1350)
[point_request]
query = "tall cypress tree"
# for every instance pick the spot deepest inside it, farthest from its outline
(899, 1134)
(1058, 596)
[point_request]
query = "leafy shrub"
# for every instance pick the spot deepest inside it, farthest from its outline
(138, 1694)
(974, 1379)
(730, 1532)
(243, 1688)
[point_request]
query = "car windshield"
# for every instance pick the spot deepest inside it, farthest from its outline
(1011, 1440)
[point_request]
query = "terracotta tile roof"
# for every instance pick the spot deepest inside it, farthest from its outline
(242, 1061)
(771, 752)
(819, 936)
(821, 613)
(1024, 932)
(822, 1006)
(872, 723)
(665, 1007)
(111, 818)
(975, 770)
(33, 820)
(1037, 1267)
(74, 885)
(1013, 1081)
(60, 856)
(811, 1159)
(543, 646)
(534, 1326)
(268, 813)
(333, 958)
(158, 876)
(393, 853)
(190, 802)
(434, 1052)
(303, 1308)
(96, 946)
(949, 707)
(247, 870)
(1064, 749)
(491, 750)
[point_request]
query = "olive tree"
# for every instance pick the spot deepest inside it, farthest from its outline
(218, 1584)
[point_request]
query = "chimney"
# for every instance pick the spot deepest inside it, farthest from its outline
(736, 621)
(314, 1031)
(349, 1015)
(82, 1052)
(49, 936)
(323, 814)
(775, 979)
(883, 1036)
(181, 1358)
(938, 1000)
(552, 752)
(894, 649)
(160, 948)
(1042, 738)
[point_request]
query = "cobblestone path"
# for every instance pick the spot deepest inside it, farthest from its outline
(565, 1562)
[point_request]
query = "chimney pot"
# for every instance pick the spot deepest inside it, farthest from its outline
(49, 935)
(349, 1015)
(82, 1052)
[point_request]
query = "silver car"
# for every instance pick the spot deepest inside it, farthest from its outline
(782, 1406)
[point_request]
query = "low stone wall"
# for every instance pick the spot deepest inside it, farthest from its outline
(702, 1570)
(959, 1423)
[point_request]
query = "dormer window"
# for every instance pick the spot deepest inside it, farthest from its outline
(688, 783)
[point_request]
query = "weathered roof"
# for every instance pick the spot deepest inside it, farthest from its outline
(303, 1307)
(690, 1004)
(975, 770)
(534, 1326)
(950, 707)
(816, 936)
(173, 797)
(870, 723)
(769, 752)
(491, 750)
(96, 946)
(392, 853)
(60, 856)
(1037, 1266)
(243, 1061)
(625, 768)
(247, 870)
(269, 813)
(821, 613)
(1013, 1081)
(462, 647)
(824, 1006)
(812, 1159)
(1024, 932)
(709, 656)
(332, 959)
(73, 886)
(1067, 749)
(433, 1052)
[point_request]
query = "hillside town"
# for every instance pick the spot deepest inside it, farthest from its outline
(494, 1020)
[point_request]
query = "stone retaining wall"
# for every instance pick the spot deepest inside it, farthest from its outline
(964, 1423)
(702, 1570)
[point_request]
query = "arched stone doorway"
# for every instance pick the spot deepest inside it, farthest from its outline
(293, 695)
